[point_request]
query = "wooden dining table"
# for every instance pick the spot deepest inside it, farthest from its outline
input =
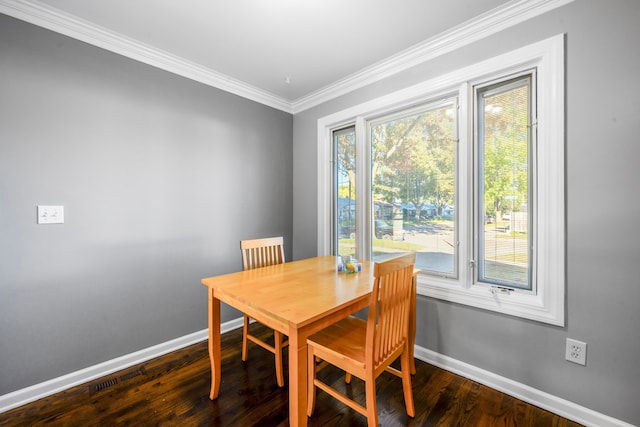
(296, 298)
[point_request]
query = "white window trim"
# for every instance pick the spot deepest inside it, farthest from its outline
(547, 303)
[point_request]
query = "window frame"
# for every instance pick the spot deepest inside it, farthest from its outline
(504, 82)
(546, 302)
(450, 100)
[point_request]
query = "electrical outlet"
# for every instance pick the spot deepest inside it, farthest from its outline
(576, 352)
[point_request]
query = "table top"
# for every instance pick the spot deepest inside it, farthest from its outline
(296, 293)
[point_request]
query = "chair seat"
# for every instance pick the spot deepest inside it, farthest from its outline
(344, 339)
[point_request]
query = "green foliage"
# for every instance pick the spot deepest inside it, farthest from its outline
(346, 160)
(505, 150)
(413, 158)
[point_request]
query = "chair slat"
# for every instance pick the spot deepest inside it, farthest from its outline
(383, 338)
(259, 253)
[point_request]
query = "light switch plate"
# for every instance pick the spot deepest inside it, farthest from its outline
(50, 214)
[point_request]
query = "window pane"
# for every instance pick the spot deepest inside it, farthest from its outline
(413, 186)
(504, 190)
(345, 209)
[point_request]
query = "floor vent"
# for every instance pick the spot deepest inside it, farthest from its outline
(105, 383)
(132, 374)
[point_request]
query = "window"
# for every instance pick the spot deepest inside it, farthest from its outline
(344, 141)
(505, 118)
(414, 185)
(466, 170)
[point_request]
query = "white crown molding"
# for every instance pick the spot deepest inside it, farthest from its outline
(52, 19)
(482, 26)
(496, 20)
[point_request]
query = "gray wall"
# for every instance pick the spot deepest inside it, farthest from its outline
(160, 178)
(603, 213)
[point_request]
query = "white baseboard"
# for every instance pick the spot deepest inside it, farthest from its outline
(520, 391)
(38, 391)
(539, 398)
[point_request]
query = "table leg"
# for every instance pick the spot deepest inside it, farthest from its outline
(297, 379)
(214, 344)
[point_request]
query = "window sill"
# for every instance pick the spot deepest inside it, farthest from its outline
(540, 306)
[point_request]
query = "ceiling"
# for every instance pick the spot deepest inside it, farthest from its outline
(284, 50)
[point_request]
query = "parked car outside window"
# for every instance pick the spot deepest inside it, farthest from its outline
(382, 229)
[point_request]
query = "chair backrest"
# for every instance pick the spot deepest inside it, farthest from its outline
(388, 319)
(262, 252)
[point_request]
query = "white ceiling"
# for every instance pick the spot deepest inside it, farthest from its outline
(285, 50)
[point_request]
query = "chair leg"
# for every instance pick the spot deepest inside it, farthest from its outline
(245, 332)
(405, 366)
(347, 378)
(372, 410)
(311, 387)
(277, 337)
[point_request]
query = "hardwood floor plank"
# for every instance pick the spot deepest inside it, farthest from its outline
(173, 390)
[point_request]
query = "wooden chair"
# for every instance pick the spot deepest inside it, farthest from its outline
(255, 254)
(367, 348)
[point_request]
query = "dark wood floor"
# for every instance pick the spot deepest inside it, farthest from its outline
(173, 390)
